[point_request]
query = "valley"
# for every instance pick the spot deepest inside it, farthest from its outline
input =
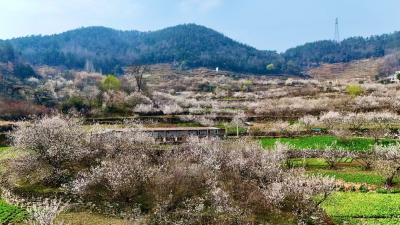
(185, 125)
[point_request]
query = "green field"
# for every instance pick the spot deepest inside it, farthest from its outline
(10, 214)
(309, 162)
(350, 208)
(368, 207)
(322, 142)
(315, 163)
(4, 148)
(354, 175)
(369, 221)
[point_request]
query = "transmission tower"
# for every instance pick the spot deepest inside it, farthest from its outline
(337, 36)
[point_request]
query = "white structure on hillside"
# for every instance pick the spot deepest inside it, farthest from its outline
(395, 77)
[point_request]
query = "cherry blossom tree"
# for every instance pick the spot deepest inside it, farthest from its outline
(387, 162)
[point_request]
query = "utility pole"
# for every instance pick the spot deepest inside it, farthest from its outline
(337, 35)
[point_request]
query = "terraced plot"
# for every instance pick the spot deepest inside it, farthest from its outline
(322, 142)
(371, 208)
(10, 214)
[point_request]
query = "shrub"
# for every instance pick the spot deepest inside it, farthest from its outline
(363, 188)
(145, 109)
(382, 190)
(24, 71)
(35, 211)
(387, 162)
(57, 143)
(333, 156)
(394, 190)
(388, 191)
(13, 109)
(110, 83)
(118, 179)
(77, 103)
(172, 108)
(330, 119)
(136, 98)
(309, 121)
(203, 181)
(354, 90)
(114, 101)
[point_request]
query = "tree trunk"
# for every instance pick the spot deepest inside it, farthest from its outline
(389, 181)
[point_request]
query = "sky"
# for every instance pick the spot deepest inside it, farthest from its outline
(264, 24)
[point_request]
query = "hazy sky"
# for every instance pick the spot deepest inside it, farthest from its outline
(264, 24)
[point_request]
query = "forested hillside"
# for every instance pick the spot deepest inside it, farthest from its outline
(185, 46)
(108, 50)
(349, 49)
(6, 52)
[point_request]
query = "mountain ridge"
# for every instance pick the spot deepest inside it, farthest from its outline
(185, 46)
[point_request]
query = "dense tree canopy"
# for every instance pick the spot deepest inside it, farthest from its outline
(24, 71)
(184, 45)
(6, 52)
(349, 49)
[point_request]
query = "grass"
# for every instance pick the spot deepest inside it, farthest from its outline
(354, 175)
(309, 162)
(348, 207)
(354, 205)
(315, 163)
(368, 221)
(9, 153)
(4, 148)
(37, 189)
(232, 130)
(322, 142)
(86, 218)
(10, 214)
(5, 153)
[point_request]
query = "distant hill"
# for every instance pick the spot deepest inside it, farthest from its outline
(108, 50)
(184, 46)
(354, 48)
